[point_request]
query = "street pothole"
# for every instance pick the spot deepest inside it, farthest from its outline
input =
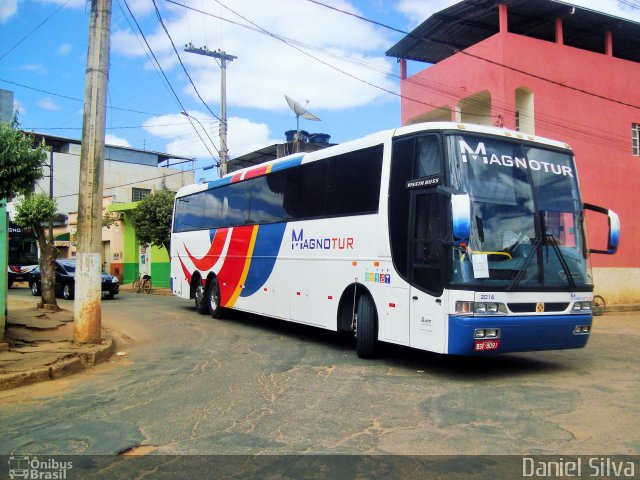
(138, 450)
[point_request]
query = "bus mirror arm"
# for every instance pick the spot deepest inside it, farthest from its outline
(614, 229)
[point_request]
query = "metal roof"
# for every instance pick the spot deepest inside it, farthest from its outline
(472, 21)
(56, 143)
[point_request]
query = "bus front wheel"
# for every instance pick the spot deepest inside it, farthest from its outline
(366, 328)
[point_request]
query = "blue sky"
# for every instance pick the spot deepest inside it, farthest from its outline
(334, 61)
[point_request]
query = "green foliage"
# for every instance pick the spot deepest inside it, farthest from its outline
(35, 209)
(20, 163)
(152, 219)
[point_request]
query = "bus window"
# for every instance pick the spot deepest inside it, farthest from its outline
(428, 158)
(354, 182)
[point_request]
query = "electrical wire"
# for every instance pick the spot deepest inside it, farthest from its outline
(183, 109)
(34, 29)
(73, 98)
(333, 67)
(478, 57)
(164, 27)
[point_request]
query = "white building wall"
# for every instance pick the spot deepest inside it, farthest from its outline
(119, 180)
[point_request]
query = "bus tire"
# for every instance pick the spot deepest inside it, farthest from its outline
(200, 298)
(366, 328)
(213, 299)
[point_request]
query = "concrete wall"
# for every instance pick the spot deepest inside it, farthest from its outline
(119, 179)
(598, 130)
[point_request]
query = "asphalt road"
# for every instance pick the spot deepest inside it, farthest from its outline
(189, 384)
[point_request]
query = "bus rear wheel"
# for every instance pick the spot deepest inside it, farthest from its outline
(366, 328)
(200, 299)
(213, 295)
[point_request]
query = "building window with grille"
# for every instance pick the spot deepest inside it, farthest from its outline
(138, 194)
(635, 139)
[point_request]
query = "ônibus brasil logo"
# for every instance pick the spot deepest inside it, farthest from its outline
(33, 468)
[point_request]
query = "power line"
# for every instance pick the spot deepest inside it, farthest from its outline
(34, 29)
(74, 98)
(155, 6)
(478, 57)
(119, 128)
(366, 82)
(182, 107)
(577, 129)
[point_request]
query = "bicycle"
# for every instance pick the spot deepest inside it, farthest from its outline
(598, 306)
(142, 282)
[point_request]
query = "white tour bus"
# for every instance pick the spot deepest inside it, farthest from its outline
(446, 237)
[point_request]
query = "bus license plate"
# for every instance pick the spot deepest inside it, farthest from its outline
(487, 344)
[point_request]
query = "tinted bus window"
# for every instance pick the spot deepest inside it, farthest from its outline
(304, 196)
(354, 182)
(267, 198)
(189, 213)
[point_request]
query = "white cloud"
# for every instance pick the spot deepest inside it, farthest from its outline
(419, 10)
(244, 135)
(48, 104)
(64, 49)
(111, 139)
(34, 68)
(612, 7)
(8, 8)
(350, 53)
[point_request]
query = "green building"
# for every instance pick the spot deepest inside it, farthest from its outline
(139, 259)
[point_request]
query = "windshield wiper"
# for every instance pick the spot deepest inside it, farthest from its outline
(525, 266)
(549, 239)
(563, 261)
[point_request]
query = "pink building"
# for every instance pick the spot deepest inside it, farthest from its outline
(547, 68)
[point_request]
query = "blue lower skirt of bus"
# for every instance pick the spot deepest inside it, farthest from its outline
(518, 334)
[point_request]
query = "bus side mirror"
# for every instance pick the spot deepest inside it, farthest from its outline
(461, 216)
(613, 220)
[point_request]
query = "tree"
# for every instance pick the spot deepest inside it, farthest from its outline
(32, 211)
(20, 163)
(152, 219)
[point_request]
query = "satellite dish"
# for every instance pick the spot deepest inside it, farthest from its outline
(300, 111)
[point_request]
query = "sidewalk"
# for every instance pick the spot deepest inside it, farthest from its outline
(41, 346)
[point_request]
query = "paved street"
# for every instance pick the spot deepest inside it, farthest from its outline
(246, 385)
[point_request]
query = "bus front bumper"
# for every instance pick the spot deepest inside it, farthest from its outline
(516, 333)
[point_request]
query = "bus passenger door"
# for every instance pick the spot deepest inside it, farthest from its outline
(427, 313)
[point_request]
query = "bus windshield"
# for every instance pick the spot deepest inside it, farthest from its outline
(526, 224)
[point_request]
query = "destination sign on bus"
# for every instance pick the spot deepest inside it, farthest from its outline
(467, 154)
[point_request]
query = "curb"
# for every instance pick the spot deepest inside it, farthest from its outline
(61, 367)
(623, 307)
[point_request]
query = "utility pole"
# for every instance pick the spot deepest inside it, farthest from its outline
(88, 290)
(51, 192)
(224, 58)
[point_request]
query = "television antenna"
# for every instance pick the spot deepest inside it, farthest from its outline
(300, 111)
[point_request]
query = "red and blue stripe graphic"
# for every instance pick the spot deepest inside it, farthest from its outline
(248, 263)
(251, 251)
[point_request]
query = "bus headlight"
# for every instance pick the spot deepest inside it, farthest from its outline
(480, 308)
(489, 308)
(581, 307)
(486, 333)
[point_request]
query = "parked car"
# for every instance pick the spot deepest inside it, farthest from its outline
(65, 281)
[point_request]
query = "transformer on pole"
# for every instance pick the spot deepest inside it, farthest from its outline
(224, 58)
